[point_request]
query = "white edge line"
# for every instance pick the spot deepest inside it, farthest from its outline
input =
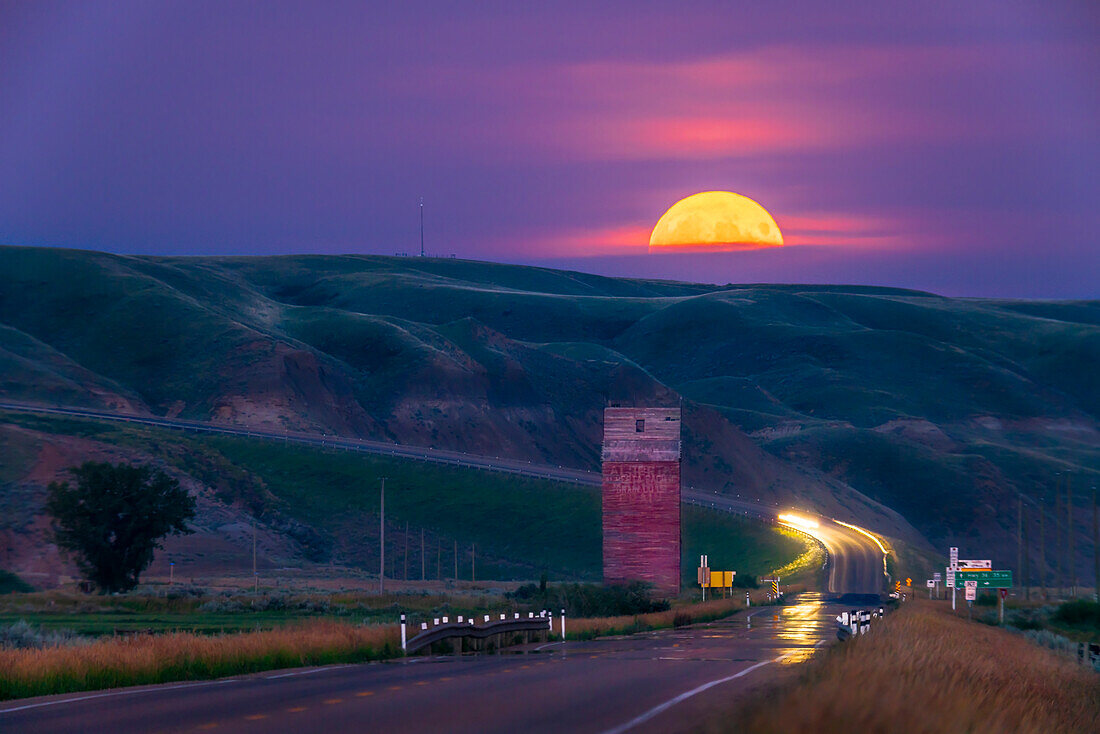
(549, 644)
(118, 693)
(311, 671)
(153, 689)
(686, 695)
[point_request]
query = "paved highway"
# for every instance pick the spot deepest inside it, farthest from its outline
(856, 560)
(672, 680)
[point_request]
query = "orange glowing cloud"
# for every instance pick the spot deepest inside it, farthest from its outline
(614, 240)
(843, 229)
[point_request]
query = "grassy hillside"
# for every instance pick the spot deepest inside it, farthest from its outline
(898, 395)
(327, 503)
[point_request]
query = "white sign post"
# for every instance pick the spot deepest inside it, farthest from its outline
(951, 574)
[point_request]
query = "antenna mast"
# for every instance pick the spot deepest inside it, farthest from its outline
(421, 226)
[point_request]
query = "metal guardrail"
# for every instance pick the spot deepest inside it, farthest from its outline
(468, 628)
(1089, 652)
(856, 622)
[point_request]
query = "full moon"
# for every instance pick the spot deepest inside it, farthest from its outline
(715, 221)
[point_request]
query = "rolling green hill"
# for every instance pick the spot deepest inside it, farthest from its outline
(909, 412)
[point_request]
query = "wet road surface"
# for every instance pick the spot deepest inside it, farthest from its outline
(669, 680)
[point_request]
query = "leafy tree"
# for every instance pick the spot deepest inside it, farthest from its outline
(114, 518)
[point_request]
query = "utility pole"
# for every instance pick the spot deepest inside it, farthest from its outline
(1058, 553)
(1095, 548)
(1027, 558)
(421, 226)
(1042, 553)
(1072, 560)
(255, 576)
(382, 541)
(1020, 540)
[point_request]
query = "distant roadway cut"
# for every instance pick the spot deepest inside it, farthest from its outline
(855, 559)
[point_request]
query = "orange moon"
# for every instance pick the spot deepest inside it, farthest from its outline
(715, 221)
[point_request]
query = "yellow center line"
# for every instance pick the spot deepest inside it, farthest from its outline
(331, 701)
(422, 683)
(446, 677)
(209, 725)
(256, 717)
(364, 693)
(296, 709)
(394, 688)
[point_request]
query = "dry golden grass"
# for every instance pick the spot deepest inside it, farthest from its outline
(925, 670)
(183, 656)
(588, 627)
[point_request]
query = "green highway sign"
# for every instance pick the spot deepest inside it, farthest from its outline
(986, 579)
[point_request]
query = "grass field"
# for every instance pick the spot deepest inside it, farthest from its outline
(924, 670)
(149, 611)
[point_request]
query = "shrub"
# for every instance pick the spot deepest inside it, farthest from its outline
(525, 592)
(593, 600)
(10, 583)
(23, 636)
(745, 581)
(1079, 613)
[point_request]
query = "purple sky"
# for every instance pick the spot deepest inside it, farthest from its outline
(948, 146)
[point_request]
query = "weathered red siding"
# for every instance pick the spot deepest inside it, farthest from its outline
(641, 497)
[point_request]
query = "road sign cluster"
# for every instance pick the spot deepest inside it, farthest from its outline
(709, 579)
(974, 574)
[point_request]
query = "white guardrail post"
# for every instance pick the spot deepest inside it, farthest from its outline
(563, 625)
(403, 646)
